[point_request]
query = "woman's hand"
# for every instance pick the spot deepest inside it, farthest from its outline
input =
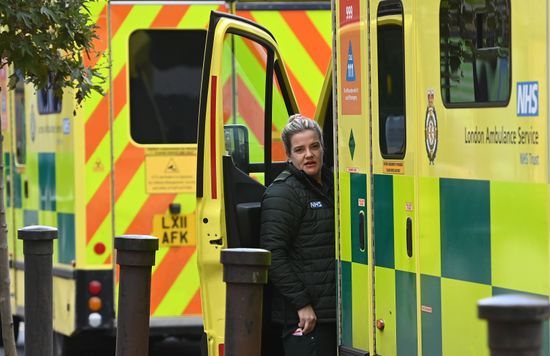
(308, 319)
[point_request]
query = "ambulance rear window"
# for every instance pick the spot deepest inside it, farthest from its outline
(475, 52)
(165, 78)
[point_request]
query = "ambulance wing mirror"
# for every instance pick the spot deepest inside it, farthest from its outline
(236, 145)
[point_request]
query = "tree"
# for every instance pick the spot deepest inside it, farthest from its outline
(46, 41)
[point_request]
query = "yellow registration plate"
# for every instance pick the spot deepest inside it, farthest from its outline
(175, 229)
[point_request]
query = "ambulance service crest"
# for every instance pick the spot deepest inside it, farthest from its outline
(430, 128)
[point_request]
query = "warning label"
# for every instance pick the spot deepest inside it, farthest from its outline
(350, 68)
(170, 170)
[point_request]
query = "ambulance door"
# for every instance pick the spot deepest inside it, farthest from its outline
(245, 102)
(394, 179)
(157, 55)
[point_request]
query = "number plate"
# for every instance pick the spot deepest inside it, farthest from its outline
(175, 229)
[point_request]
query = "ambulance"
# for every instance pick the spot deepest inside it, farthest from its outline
(125, 163)
(435, 113)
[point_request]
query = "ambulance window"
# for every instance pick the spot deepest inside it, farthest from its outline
(20, 132)
(391, 80)
(48, 102)
(475, 52)
(165, 78)
(245, 72)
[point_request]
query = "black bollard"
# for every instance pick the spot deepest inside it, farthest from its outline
(245, 273)
(515, 323)
(38, 251)
(136, 256)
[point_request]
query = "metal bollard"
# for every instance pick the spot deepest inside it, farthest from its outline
(136, 256)
(515, 323)
(245, 273)
(38, 251)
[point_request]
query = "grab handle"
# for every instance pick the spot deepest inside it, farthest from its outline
(409, 238)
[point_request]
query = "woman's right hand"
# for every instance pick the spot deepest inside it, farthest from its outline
(308, 319)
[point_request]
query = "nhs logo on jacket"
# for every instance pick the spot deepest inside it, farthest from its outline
(528, 99)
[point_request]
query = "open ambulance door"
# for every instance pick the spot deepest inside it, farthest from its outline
(245, 102)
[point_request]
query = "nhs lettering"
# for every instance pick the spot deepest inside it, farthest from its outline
(528, 99)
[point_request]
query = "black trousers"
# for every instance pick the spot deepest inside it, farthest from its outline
(320, 342)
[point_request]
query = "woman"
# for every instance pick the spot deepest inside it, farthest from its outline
(298, 229)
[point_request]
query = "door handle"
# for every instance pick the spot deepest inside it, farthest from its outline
(409, 237)
(362, 240)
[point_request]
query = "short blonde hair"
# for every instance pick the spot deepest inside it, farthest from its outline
(298, 123)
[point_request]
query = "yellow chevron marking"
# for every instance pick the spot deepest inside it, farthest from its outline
(95, 175)
(97, 168)
(321, 19)
(139, 17)
(295, 56)
(196, 17)
(130, 201)
(161, 252)
(104, 234)
(95, 9)
(94, 99)
(182, 291)
(121, 129)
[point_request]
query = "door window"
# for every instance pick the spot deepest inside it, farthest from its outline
(48, 102)
(253, 99)
(391, 80)
(475, 52)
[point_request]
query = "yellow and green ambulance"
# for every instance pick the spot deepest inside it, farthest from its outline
(125, 163)
(437, 124)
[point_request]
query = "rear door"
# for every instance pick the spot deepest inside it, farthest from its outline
(245, 101)
(157, 57)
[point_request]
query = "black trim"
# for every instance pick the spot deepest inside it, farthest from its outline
(241, 19)
(390, 7)
(286, 95)
(270, 6)
(268, 116)
(350, 351)
(482, 105)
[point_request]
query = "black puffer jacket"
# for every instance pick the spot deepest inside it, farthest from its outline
(298, 229)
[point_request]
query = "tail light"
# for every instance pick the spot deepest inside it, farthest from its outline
(94, 303)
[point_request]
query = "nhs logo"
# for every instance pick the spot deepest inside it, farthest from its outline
(528, 99)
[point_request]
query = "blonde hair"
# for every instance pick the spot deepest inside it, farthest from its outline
(298, 123)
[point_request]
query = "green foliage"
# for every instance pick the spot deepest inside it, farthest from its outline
(47, 40)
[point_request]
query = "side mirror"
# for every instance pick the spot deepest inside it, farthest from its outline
(236, 145)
